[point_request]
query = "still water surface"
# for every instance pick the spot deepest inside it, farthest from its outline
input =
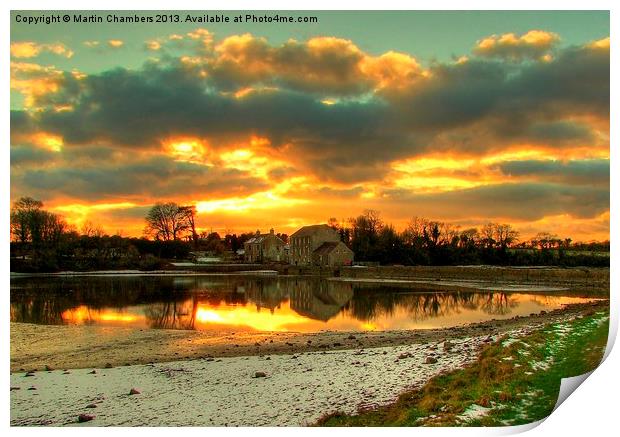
(241, 303)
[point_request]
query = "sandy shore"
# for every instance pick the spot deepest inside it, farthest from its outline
(296, 389)
(33, 347)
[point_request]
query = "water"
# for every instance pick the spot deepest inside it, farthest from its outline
(241, 303)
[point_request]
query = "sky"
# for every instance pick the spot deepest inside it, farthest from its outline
(463, 117)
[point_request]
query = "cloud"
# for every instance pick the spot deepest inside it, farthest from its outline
(116, 43)
(327, 108)
(535, 44)
(326, 65)
(29, 49)
(142, 179)
(601, 44)
(153, 45)
(593, 172)
(523, 201)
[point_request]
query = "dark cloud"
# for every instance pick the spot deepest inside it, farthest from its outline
(156, 177)
(559, 132)
(30, 156)
(523, 201)
(510, 99)
(581, 172)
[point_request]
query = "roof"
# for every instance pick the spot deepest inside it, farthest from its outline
(327, 247)
(262, 237)
(309, 230)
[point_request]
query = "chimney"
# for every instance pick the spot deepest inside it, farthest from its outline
(271, 231)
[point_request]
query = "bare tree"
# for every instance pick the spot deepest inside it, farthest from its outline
(487, 232)
(30, 223)
(190, 217)
(505, 235)
(24, 217)
(91, 230)
(167, 221)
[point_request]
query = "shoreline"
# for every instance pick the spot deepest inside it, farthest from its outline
(288, 389)
(33, 347)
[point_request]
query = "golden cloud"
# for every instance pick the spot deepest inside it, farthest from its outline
(391, 70)
(534, 44)
(116, 43)
(153, 45)
(323, 64)
(34, 80)
(29, 49)
(600, 44)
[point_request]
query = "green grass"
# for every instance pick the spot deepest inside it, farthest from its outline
(514, 381)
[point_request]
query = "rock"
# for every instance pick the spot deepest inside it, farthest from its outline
(85, 418)
(29, 374)
(108, 365)
(15, 388)
(134, 391)
(91, 406)
(309, 342)
(404, 355)
(351, 337)
(267, 358)
(543, 312)
(337, 344)
(92, 372)
(483, 402)
(488, 339)
(430, 360)
(48, 368)
(66, 372)
(447, 345)
(32, 388)
(260, 375)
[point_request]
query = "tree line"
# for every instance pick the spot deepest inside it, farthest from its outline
(43, 241)
(431, 242)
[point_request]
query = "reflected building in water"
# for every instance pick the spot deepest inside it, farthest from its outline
(196, 302)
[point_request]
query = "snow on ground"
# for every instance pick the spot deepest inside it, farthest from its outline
(297, 389)
(474, 411)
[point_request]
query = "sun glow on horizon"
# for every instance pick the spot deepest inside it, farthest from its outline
(256, 201)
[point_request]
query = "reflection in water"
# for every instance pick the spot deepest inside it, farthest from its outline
(264, 304)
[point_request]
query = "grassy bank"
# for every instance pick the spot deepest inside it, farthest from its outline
(515, 381)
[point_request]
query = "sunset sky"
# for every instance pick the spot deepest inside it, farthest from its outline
(466, 117)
